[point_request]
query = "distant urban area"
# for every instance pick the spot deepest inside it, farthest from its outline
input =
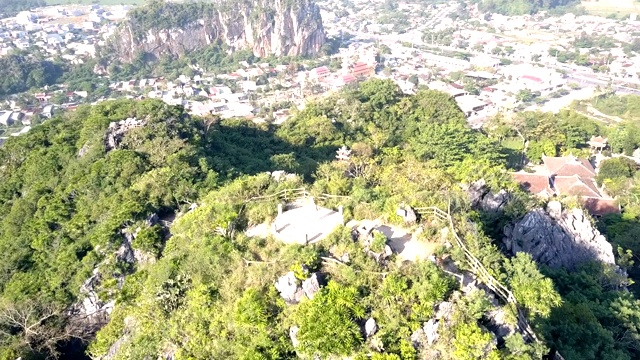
(490, 63)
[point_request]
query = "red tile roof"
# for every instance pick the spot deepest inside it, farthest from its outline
(534, 183)
(532, 78)
(575, 185)
(322, 70)
(568, 166)
(348, 78)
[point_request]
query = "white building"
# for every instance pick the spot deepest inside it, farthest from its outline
(26, 17)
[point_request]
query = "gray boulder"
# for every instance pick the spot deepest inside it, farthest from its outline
(127, 254)
(152, 220)
(293, 335)
(430, 329)
(419, 339)
(287, 286)
(498, 323)
(407, 214)
(91, 306)
(311, 286)
(444, 311)
(370, 327)
(560, 239)
(484, 199)
(83, 150)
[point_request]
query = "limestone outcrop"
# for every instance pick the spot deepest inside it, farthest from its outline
(292, 290)
(280, 28)
(116, 131)
(370, 327)
(486, 200)
(559, 238)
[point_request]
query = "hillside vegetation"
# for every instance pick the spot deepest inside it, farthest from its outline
(12, 7)
(21, 73)
(522, 7)
(624, 106)
(70, 193)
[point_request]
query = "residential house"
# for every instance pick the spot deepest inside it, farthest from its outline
(445, 61)
(536, 184)
(54, 40)
(360, 69)
(5, 118)
(319, 73)
(447, 88)
(470, 104)
(248, 86)
(47, 111)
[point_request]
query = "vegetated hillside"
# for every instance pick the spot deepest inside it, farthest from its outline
(78, 196)
(626, 106)
(21, 73)
(281, 28)
(522, 7)
(12, 7)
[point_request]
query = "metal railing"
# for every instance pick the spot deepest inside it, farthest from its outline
(481, 272)
(294, 194)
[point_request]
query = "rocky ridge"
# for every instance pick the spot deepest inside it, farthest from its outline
(91, 311)
(280, 28)
(559, 238)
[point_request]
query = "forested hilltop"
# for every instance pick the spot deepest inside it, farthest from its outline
(12, 7)
(131, 230)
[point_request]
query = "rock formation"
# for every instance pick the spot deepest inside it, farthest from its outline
(407, 214)
(292, 290)
(288, 287)
(486, 200)
(116, 131)
(293, 335)
(558, 238)
(280, 28)
(311, 286)
(370, 327)
(430, 329)
(91, 311)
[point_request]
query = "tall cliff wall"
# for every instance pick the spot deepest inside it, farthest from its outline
(267, 27)
(558, 238)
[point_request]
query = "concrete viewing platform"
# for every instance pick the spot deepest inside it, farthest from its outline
(304, 222)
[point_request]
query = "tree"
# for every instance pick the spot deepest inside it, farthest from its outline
(39, 326)
(524, 96)
(472, 343)
(530, 287)
(413, 79)
(616, 168)
(327, 322)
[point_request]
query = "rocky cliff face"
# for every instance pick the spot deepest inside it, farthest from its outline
(558, 237)
(280, 27)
